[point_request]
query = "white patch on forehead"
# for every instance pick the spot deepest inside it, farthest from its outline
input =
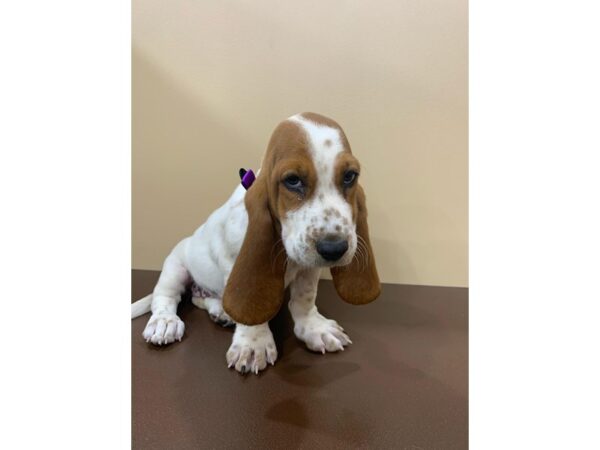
(325, 145)
(327, 213)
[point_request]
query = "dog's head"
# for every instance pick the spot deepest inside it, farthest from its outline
(305, 206)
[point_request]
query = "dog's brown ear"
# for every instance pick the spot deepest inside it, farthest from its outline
(358, 282)
(255, 288)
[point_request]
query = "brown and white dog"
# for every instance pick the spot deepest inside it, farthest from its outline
(305, 211)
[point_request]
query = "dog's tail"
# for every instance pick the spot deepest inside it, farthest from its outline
(142, 306)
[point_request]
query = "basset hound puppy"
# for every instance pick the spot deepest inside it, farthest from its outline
(305, 211)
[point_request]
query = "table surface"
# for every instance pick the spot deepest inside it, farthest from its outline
(402, 384)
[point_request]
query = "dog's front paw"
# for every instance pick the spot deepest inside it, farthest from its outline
(163, 329)
(252, 348)
(321, 334)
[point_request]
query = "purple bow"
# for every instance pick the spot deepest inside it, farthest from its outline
(247, 177)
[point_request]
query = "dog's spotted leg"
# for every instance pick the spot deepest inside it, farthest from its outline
(252, 348)
(318, 333)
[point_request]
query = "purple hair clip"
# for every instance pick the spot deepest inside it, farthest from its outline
(247, 177)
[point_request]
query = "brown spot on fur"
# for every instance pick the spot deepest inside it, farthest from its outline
(327, 142)
(326, 121)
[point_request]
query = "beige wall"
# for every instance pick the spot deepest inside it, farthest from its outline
(211, 79)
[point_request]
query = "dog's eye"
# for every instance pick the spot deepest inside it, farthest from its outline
(293, 183)
(349, 178)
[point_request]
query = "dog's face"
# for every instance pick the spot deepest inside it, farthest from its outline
(316, 181)
(305, 206)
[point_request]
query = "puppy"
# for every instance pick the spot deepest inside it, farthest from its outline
(305, 211)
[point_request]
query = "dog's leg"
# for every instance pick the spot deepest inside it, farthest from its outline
(164, 325)
(318, 333)
(214, 307)
(252, 348)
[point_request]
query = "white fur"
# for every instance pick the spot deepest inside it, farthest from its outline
(318, 333)
(207, 258)
(252, 348)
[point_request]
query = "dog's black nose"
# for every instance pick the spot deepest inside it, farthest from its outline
(332, 249)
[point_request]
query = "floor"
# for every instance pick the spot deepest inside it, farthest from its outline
(402, 385)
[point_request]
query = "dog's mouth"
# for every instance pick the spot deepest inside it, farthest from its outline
(317, 261)
(329, 264)
(318, 254)
(346, 260)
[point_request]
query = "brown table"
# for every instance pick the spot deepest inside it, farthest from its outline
(401, 385)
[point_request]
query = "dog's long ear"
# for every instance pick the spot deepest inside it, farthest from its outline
(255, 288)
(358, 282)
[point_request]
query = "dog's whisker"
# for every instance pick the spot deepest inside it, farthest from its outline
(276, 258)
(364, 253)
(282, 250)
(357, 260)
(359, 257)
(364, 246)
(275, 246)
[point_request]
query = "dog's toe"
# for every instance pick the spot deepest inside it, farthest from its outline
(251, 353)
(164, 329)
(321, 335)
